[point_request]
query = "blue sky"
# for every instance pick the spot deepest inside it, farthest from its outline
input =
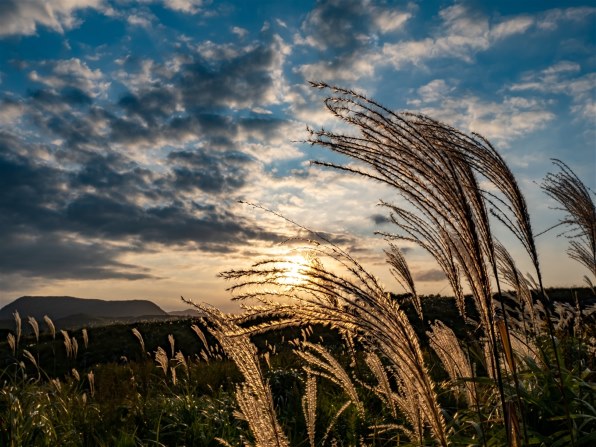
(129, 130)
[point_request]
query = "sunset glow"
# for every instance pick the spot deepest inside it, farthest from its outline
(296, 270)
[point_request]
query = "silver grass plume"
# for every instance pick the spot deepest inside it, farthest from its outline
(383, 389)
(456, 363)
(356, 304)
(409, 401)
(401, 273)
(10, 338)
(174, 376)
(30, 357)
(179, 357)
(511, 275)
(67, 343)
(434, 169)
(253, 395)
(139, 337)
(200, 334)
(50, 325)
(171, 341)
(161, 358)
(309, 407)
(18, 328)
(432, 176)
(322, 363)
(575, 199)
(510, 207)
(91, 379)
(35, 326)
(74, 347)
(85, 338)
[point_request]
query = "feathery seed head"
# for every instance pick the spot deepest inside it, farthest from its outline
(35, 326)
(50, 325)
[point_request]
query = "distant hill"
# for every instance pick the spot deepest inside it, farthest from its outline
(187, 313)
(61, 307)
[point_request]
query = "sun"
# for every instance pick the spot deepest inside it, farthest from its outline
(295, 269)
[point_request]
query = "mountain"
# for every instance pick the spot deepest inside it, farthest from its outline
(58, 307)
(187, 313)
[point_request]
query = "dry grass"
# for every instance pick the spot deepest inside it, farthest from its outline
(524, 376)
(575, 199)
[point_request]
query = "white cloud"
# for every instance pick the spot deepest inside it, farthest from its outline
(507, 28)
(261, 111)
(564, 78)
(10, 113)
(389, 21)
(240, 32)
(349, 68)
(498, 121)
(434, 90)
(72, 73)
(464, 33)
(550, 20)
(273, 145)
(139, 20)
(281, 23)
(22, 17)
(562, 67)
(413, 52)
(187, 6)
(220, 51)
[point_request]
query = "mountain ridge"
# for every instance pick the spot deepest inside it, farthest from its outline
(58, 307)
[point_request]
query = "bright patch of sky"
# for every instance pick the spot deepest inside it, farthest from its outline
(129, 130)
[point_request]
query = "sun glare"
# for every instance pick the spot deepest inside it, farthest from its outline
(295, 270)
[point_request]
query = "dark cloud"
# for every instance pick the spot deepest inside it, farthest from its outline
(176, 223)
(210, 172)
(430, 275)
(339, 239)
(380, 219)
(337, 24)
(243, 81)
(30, 192)
(60, 200)
(114, 175)
(53, 255)
(33, 226)
(195, 101)
(67, 96)
(48, 216)
(151, 106)
(346, 33)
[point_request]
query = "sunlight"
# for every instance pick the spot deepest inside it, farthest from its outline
(295, 270)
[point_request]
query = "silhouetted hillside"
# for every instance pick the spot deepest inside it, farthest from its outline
(186, 313)
(59, 307)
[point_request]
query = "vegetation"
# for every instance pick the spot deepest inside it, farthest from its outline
(323, 354)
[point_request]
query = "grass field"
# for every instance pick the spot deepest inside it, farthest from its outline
(323, 354)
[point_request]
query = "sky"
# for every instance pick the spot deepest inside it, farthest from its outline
(131, 130)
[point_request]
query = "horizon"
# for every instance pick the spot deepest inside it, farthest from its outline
(129, 132)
